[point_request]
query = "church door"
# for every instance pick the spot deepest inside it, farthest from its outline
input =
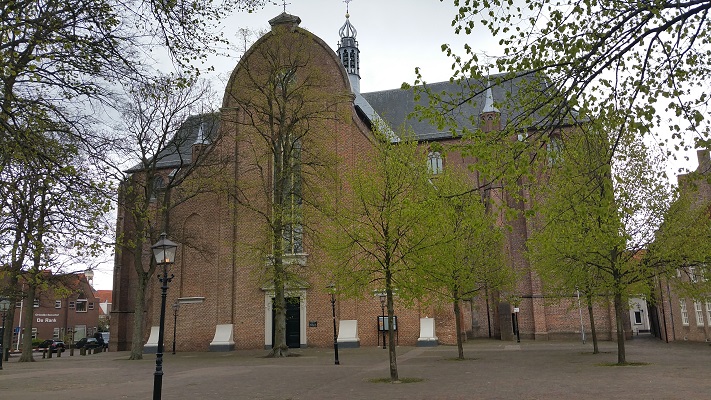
(293, 322)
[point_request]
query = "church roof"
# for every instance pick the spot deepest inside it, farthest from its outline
(396, 106)
(196, 129)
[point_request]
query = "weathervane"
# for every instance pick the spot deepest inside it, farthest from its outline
(285, 3)
(347, 1)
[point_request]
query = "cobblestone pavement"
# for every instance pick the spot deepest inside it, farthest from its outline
(493, 370)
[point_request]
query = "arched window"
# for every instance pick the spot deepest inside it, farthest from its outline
(554, 148)
(434, 162)
(292, 234)
(158, 185)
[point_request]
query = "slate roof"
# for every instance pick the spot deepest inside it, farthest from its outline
(202, 128)
(395, 105)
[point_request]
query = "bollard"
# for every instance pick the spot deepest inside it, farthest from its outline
(44, 353)
(71, 351)
(49, 353)
(59, 352)
(82, 351)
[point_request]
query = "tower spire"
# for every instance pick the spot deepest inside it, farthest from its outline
(348, 51)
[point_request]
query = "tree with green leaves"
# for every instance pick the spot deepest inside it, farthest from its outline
(606, 197)
(381, 227)
(650, 58)
(469, 255)
(287, 110)
(60, 58)
(54, 215)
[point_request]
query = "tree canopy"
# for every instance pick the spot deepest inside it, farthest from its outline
(646, 57)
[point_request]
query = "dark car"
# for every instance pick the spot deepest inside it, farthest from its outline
(54, 345)
(88, 343)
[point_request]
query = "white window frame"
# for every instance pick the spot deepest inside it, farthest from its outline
(72, 305)
(90, 306)
(684, 313)
(81, 309)
(434, 162)
(708, 311)
(36, 303)
(55, 333)
(34, 333)
(692, 275)
(58, 304)
(638, 316)
(699, 313)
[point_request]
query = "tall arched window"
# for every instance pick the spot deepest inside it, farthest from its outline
(292, 233)
(434, 162)
(158, 185)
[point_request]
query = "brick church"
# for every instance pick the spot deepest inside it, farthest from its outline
(222, 300)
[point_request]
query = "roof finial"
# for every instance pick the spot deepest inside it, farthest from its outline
(347, 1)
(285, 3)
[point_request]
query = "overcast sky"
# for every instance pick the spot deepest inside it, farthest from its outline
(394, 36)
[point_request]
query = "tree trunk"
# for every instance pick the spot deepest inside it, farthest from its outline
(391, 332)
(27, 317)
(9, 328)
(279, 347)
(619, 312)
(139, 310)
(593, 331)
(458, 325)
(10, 319)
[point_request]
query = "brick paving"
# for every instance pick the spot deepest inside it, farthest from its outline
(493, 370)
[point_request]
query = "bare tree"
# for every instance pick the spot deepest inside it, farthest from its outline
(287, 110)
(162, 122)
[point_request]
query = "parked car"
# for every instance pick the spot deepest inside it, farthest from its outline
(88, 343)
(54, 345)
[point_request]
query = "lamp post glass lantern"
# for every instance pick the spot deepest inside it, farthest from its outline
(164, 253)
(383, 298)
(4, 306)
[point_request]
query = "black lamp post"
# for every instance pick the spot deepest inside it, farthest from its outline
(335, 334)
(4, 306)
(176, 306)
(383, 297)
(164, 253)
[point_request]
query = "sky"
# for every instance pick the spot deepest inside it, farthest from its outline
(394, 37)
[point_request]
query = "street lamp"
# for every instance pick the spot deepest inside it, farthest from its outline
(176, 306)
(383, 297)
(4, 306)
(332, 288)
(164, 253)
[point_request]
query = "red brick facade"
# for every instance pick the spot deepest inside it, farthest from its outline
(68, 313)
(218, 277)
(683, 318)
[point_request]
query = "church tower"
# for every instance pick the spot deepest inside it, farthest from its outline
(348, 52)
